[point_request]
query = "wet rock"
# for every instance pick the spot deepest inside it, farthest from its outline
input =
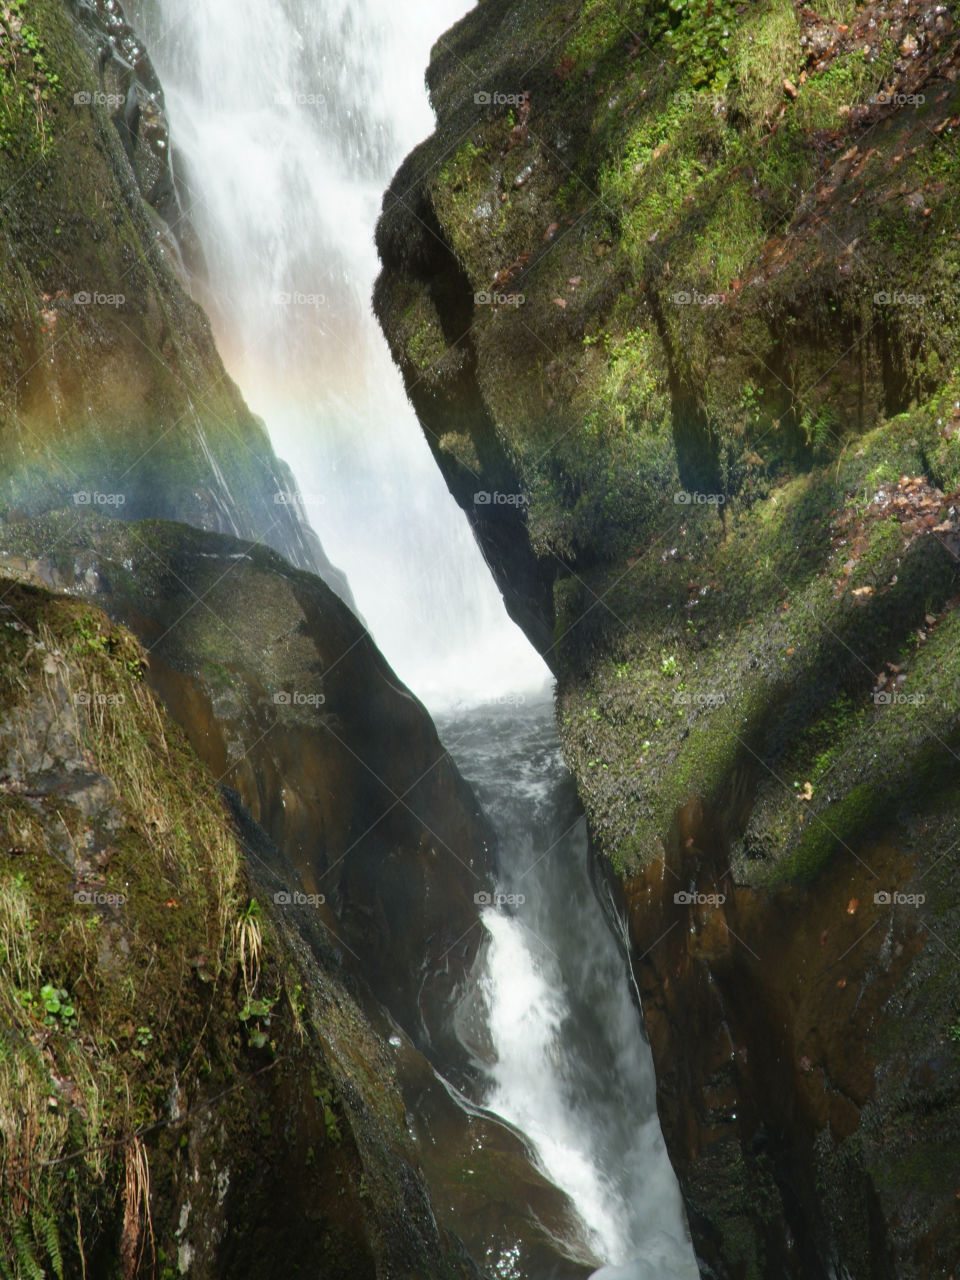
(736, 442)
(284, 695)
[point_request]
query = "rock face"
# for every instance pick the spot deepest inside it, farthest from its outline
(183, 1028)
(677, 287)
(286, 698)
(225, 1104)
(113, 394)
(219, 1027)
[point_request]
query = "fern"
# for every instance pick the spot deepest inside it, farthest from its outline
(28, 1267)
(45, 1231)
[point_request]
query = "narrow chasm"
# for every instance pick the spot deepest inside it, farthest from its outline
(479, 568)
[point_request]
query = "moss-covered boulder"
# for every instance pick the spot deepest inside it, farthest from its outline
(676, 286)
(287, 699)
(112, 393)
(185, 1087)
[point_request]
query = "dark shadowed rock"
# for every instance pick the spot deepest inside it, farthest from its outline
(287, 699)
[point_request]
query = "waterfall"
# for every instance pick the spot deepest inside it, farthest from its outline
(553, 1016)
(291, 118)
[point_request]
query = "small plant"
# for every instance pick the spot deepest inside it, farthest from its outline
(324, 1095)
(54, 1006)
(248, 936)
(668, 665)
(953, 1031)
(255, 1017)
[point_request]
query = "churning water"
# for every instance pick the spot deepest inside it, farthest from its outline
(553, 1020)
(291, 116)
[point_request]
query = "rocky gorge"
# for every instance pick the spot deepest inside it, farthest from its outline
(682, 280)
(673, 291)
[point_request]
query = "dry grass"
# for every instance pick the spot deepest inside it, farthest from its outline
(137, 1221)
(69, 1093)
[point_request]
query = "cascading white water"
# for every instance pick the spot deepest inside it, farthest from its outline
(292, 118)
(569, 1064)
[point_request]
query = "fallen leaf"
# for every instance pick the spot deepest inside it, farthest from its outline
(852, 906)
(559, 302)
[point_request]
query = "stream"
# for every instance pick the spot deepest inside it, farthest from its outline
(291, 118)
